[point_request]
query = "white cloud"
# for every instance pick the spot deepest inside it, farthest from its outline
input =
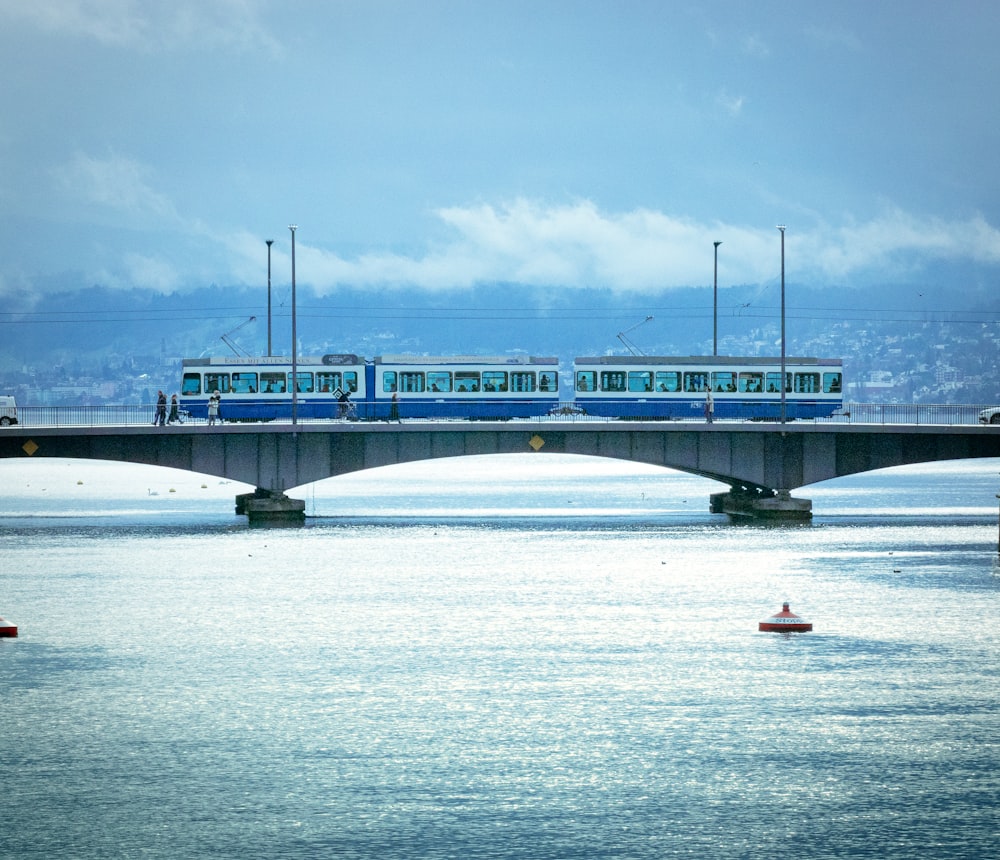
(755, 46)
(732, 104)
(577, 246)
(524, 242)
(115, 183)
(151, 273)
(571, 246)
(897, 240)
(112, 22)
(143, 26)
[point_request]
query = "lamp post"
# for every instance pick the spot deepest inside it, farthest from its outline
(781, 227)
(295, 348)
(269, 243)
(715, 303)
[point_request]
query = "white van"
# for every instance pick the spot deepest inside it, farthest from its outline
(8, 410)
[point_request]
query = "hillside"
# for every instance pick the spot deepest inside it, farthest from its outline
(906, 343)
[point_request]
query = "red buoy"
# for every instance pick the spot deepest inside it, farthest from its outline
(785, 621)
(7, 630)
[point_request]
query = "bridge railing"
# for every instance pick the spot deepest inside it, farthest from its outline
(907, 413)
(851, 413)
(85, 416)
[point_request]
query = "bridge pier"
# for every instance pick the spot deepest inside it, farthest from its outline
(271, 508)
(781, 506)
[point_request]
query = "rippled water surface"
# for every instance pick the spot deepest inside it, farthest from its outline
(503, 657)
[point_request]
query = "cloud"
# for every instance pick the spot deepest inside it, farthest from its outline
(525, 242)
(143, 26)
(115, 183)
(151, 273)
(898, 241)
(579, 246)
(731, 104)
(572, 245)
(755, 46)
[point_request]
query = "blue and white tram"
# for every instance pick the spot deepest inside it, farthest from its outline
(260, 388)
(475, 387)
(676, 387)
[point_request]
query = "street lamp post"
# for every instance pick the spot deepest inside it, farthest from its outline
(715, 303)
(781, 227)
(295, 348)
(269, 243)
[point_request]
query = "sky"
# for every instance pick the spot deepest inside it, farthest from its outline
(441, 144)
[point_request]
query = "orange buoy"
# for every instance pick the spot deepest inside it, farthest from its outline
(785, 621)
(7, 630)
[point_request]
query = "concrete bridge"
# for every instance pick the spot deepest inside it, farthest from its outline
(761, 462)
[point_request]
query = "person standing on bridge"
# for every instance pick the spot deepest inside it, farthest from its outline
(213, 406)
(709, 406)
(161, 409)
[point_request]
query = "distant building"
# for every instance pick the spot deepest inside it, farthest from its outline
(946, 375)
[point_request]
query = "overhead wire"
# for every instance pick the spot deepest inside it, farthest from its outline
(897, 315)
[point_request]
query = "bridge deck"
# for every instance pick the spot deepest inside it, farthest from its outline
(281, 456)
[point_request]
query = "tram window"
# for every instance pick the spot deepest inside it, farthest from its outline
(272, 383)
(244, 383)
(695, 380)
(411, 381)
(547, 382)
(305, 382)
(586, 380)
(328, 381)
(774, 382)
(217, 382)
(831, 383)
(494, 380)
(389, 382)
(723, 380)
(612, 380)
(439, 380)
(668, 380)
(351, 380)
(191, 384)
(806, 383)
(466, 380)
(751, 383)
(640, 380)
(522, 381)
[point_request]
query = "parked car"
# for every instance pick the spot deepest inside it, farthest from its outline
(8, 410)
(990, 416)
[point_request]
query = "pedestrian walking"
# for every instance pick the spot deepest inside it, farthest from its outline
(175, 414)
(709, 406)
(161, 409)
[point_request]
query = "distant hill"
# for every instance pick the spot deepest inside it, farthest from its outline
(489, 319)
(101, 333)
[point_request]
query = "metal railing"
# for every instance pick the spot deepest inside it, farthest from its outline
(85, 416)
(907, 413)
(850, 413)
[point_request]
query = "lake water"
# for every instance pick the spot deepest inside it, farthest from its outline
(523, 657)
